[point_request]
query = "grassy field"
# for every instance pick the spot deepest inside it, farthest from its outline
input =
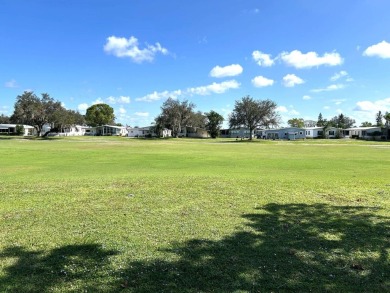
(106, 214)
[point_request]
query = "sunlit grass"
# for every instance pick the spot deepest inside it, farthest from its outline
(107, 213)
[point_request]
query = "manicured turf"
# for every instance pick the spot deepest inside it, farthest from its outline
(107, 214)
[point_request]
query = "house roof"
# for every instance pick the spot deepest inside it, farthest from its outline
(6, 126)
(364, 128)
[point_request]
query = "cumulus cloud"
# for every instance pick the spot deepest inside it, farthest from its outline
(82, 107)
(339, 75)
(373, 106)
(262, 59)
(230, 70)
(287, 113)
(98, 101)
(122, 110)
(290, 80)
(11, 84)
(156, 96)
(332, 87)
(306, 97)
(122, 48)
(282, 109)
(300, 60)
(118, 100)
(261, 81)
(214, 88)
(381, 50)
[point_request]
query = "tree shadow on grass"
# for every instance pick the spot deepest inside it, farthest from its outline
(283, 248)
(76, 268)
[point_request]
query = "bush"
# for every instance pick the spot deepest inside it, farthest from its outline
(19, 130)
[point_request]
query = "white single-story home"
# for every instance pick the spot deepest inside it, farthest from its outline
(139, 131)
(10, 129)
(146, 132)
(75, 130)
(371, 133)
(241, 132)
(334, 132)
(290, 133)
(314, 132)
(109, 130)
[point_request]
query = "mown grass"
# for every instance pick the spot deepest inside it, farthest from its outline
(181, 215)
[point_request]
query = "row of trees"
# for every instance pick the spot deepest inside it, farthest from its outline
(247, 112)
(31, 110)
(175, 115)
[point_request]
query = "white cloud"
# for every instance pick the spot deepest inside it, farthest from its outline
(142, 114)
(230, 70)
(11, 84)
(262, 59)
(332, 87)
(122, 47)
(282, 109)
(156, 96)
(299, 60)
(290, 80)
(326, 107)
(375, 106)
(122, 110)
(287, 112)
(214, 88)
(82, 107)
(381, 50)
(118, 100)
(306, 97)
(261, 81)
(98, 101)
(339, 75)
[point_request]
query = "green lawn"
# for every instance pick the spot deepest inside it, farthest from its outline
(107, 214)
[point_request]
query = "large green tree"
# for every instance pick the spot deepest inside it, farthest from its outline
(34, 111)
(63, 118)
(99, 114)
(251, 113)
(296, 122)
(214, 123)
(341, 121)
(175, 115)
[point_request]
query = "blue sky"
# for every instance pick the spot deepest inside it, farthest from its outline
(308, 56)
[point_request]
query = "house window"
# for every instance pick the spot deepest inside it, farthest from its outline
(331, 132)
(320, 132)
